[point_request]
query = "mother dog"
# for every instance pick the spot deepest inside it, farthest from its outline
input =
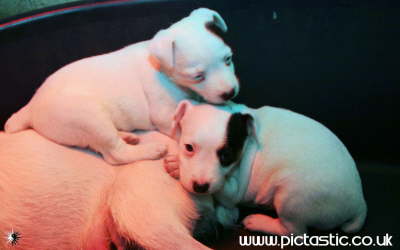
(55, 197)
(94, 101)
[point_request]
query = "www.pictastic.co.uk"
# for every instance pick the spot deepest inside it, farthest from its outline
(320, 240)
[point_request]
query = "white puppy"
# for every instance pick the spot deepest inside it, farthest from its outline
(54, 197)
(94, 101)
(271, 158)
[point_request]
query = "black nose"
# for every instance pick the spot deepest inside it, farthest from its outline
(228, 95)
(200, 188)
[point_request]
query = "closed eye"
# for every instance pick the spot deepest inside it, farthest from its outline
(228, 60)
(199, 77)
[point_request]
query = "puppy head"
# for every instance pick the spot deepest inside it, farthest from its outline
(211, 142)
(193, 54)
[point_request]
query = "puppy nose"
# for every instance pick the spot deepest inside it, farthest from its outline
(200, 188)
(228, 95)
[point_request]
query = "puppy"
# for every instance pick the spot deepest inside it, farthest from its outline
(270, 158)
(54, 197)
(93, 102)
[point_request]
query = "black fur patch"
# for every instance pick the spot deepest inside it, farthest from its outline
(213, 28)
(236, 135)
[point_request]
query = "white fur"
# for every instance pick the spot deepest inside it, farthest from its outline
(293, 164)
(87, 102)
(62, 198)
(197, 125)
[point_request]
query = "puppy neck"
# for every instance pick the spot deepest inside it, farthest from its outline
(236, 184)
(246, 164)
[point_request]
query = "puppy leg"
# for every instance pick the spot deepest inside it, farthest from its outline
(121, 153)
(278, 226)
(129, 138)
(171, 165)
(265, 224)
(114, 147)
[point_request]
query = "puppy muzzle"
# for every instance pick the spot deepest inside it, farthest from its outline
(228, 95)
(201, 188)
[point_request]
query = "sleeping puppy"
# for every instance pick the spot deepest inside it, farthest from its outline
(93, 102)
(270, 158)
(56, 197)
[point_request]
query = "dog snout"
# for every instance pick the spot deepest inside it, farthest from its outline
(228, 95)
(200, 188)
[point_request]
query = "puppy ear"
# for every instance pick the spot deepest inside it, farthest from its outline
(214, 21)
(180, 112)
(162, 46)
(251, 126)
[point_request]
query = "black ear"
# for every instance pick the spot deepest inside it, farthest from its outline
(243, 123)
(238, 129)
(250, 126)
(213, 20)
(215, 27)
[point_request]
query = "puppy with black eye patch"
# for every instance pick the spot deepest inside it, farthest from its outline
(207, 154)
(269, 158)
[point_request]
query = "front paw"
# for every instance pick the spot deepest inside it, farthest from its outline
(155, 151)
(171, 165)
(251, 222)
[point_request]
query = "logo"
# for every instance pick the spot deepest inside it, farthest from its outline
(13, 237)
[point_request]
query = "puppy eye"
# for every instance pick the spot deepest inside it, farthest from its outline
(189, 147)
(228, 60)
(199, 77)
(189, 150)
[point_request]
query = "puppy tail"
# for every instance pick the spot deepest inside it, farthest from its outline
(355, 224)
(18, 121)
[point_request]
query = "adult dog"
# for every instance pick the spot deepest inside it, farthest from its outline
(270, 158)
(93, 102)
(55, 197)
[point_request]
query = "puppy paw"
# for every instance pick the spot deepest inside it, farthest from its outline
(129, 138)
(266, 224)
(171, 165)
(155, 151)
(253, 222)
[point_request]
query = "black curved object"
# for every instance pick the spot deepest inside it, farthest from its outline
(336, 62)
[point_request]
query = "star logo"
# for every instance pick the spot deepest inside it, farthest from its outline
(13, 237)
